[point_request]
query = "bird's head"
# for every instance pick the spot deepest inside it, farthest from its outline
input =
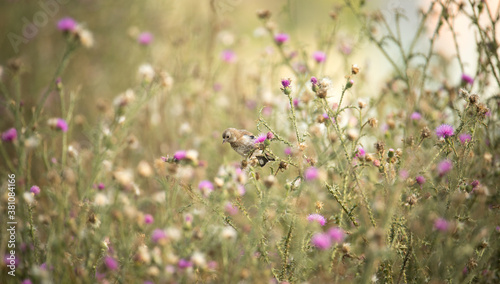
(229, 135)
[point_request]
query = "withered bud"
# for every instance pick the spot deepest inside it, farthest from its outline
(319, 205)
(264, 14)
(354, 69)
(333, 15)
(361, 104)
(321, 93)
(269, 181)
(14, 64)
(391, 123)
(482, 109)
(410, 141)
(399, 152)
(412, 199)
(320, 119)
(244, 164)
(369, 157)
(346, 248)
(380, 146)
(474, 99)
(425, 132)
(332, 137)
(373, 122)
(283, 165)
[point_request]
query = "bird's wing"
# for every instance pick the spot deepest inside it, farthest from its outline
(248, 133)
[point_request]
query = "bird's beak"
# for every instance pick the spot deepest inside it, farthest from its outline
(223, 141)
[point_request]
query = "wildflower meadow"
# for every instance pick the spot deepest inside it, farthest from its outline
(376, 123)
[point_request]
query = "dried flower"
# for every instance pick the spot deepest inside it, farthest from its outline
(354, 69)
(425, 132)
(264, 14)
(444, 131)
(316, 218)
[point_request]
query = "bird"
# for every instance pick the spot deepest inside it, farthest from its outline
(243, 142)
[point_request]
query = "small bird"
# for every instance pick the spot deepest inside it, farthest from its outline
(243, 142)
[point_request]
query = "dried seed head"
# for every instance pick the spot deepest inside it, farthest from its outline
(354, 69)
(410, 141)
(412, 199)
(380, 146)
(373, 122)
(425, 132)
(319, 205)
(269, 181)
(361, 104)
(264, 14)
(283, 165)
(474, 99)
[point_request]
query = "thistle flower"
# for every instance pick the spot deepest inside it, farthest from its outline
(281, 38)
(336, 235)
(9, 135)
(67, 24)
(360, 153)
(420, 180)
(322, 241)
(314, 80)
(465, 137)
(319, 56)
(467, 79)
(158, 236)
(311, 173)
(441, 224)
(206, 187)
(444, 167)
(145, 38)
(230, 208)
(286, 83)
(416, 116)
(180, 155)
(58, 123)
(261, 138)
(228, 56)
(148, 219)
(110, 263)
(316, 218)
(444, 131)
(35, 190)
(288, 151)
(183, 263)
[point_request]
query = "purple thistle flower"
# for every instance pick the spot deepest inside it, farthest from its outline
(474, 184)
(148, 219)
(145, 38)
(465, 137)
(111, 263)
(322, 241)
(444, 131)
(228, 56)
(416, 116)
(35, 190)
(231, 209)
(158, 235)
(206, 187)
(316, 218)
(314, 81)
(285, 83)
(281, 38)
(319, 56)
(311, 173)
(467, 79)
(62, 125)
(288, 151)
(101, 186)
(270, 135)
(183, 263)
(420, 180)
(26, 281)
(444, 167)
(337, 235)
(441, 225)
(180, 155)
(9, 135)
(361, 153)
(67, 24)
(403, 174)
(261, 138)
